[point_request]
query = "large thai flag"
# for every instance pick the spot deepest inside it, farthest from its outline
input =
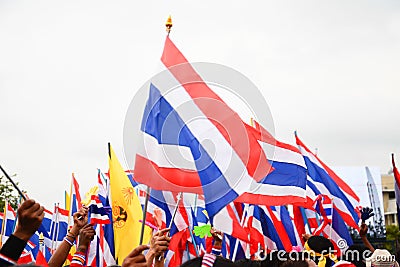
(396, 187)
(327, 183)
(177, 127)
(287, 181)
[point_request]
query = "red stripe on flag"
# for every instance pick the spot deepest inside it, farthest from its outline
(271, 200)
(396, 172)
(218, 112)
(280, 228)
(167, 179)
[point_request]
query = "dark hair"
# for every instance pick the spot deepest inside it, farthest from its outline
(273, 259)
(219, 262)
(297, 263)
(248, 263)
(357, 254)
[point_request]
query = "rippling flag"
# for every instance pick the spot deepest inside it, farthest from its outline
(174, 155)
(396, 187)
(127, 210)
(286, 183)
(328, 184)
(97, 213)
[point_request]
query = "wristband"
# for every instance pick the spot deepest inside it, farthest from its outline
(68, 241)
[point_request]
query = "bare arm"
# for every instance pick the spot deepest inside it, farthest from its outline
(86, 235)
(61, 253)
(363, 235)
(30, 216)
(158, 245)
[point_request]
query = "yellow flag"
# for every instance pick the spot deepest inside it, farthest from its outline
(67, 201)
(126, 210)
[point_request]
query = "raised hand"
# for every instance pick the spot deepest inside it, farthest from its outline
(30, 216)
(366, 213)
(159, 242)
(136, 258)
(86, 234)
(80, 220)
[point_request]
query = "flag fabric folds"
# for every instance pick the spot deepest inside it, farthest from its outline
(286, 183)
(174, 155)
(327, 183)
(97, 213)
(127, 210)
(396, 187)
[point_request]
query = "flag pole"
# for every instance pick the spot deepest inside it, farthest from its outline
(246, 208)
(144, 214)
(168, 25)
(14, 184)
(4, 222)
(175, 210)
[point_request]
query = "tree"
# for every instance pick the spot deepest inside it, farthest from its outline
(8, 192)
(392, 232)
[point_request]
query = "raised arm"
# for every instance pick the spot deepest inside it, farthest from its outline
(61, 253)
(30, 216)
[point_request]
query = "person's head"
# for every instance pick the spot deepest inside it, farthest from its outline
(274, 259)
(321, 250)
(217, 262)
(357, 254)
(295, 263)
(248, 263)
(381, 258)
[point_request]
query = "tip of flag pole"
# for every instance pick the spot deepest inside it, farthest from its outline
(168, 24)
(295, 133)
(109, 150)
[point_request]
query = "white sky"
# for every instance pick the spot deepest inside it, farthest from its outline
(69, 69)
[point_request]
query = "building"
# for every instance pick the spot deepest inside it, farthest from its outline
(389, 199)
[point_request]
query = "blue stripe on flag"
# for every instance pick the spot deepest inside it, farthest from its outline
(162, 122)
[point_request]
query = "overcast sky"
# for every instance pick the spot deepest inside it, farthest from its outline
(69, 69)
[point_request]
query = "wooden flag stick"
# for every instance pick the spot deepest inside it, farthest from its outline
(144, 214)
(175, 210)
(14, 184)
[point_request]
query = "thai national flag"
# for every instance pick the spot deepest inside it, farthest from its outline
(10, 220)
(256, 225)
(106, 231)
(287, 181)
(97, 213)
(327, 183)
(229, 247)
(396, 187)
(59, 228)
(161, 208)
(76, 202)
(175, 154)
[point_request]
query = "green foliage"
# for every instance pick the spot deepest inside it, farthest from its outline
(7, 191)
(392, 232)
(202, 231)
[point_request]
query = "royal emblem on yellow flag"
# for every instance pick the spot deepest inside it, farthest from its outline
(126, 210)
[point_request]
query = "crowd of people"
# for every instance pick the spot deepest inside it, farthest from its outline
(318, 250)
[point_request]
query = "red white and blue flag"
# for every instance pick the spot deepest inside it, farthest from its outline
(98, 214)
(286, 183)
(76, 202)
(396, 187)
(174, 155)
(323, 181)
